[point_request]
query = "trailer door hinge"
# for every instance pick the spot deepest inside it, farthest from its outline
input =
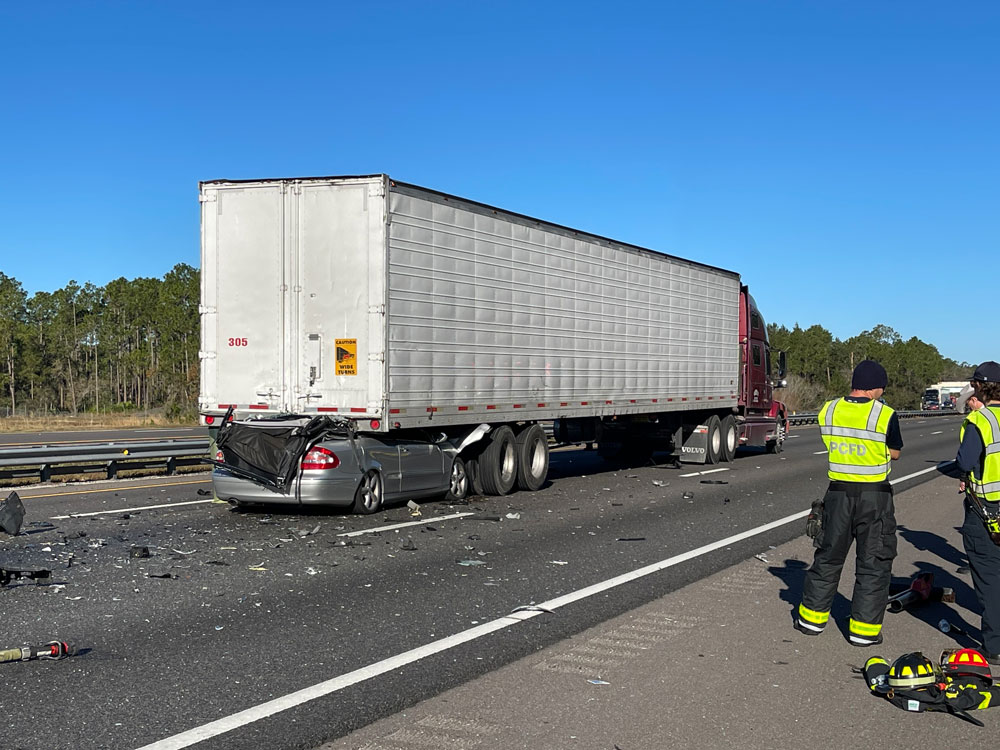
(207, 310)
(376, 190)
(206, 355)
(376, 309)
(207, 198)
(376, 356)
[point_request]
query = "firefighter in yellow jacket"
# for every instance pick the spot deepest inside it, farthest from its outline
(862, 436)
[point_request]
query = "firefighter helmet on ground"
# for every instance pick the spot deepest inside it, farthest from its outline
(965, 662)
(912, 671)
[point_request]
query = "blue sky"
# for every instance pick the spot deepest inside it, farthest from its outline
(842, 156)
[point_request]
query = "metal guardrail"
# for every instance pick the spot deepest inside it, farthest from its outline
(812, 418)
(47, 461)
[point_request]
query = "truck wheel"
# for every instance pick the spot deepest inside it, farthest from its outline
(730, 438)
(714, 450)
(475, 478)
(777, 445)
(532, 458)
(458, 487)
(498, 463)
(368, 496)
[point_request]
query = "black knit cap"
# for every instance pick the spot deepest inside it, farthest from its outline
(868, 376)
(987, 372)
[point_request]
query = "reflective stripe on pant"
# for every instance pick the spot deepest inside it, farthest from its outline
(984, 562)
(867, 516)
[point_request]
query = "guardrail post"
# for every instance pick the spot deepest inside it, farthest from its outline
(45, 473)
(112, 469)
(171, 466)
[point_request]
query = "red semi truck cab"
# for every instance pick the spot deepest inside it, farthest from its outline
(765, 418)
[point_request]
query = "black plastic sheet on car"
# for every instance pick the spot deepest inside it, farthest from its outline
(269, 455)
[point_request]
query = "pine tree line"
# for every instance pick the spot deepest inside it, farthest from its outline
(820, 366)
(125, 346)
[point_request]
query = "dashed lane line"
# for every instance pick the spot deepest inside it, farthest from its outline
(709, 471)
(404, 525)
(116, 488)
(130, 509)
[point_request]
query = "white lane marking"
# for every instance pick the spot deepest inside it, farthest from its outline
(709, 471)
(792, 437)
(129, 509)
(938, 467)
(819, 453)
(937, 433)
(291, 700)
(402, 525)
(321, 689)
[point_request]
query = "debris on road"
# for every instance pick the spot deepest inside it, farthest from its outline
(470, 563)
(659, 483)
(11, 514)
(558, 562)
(687, 495)
(408, 545)
(414, 508)
(36, 574)
(598, 682)
(137, 552)
(53, 650)
(531, 608)
(713, 481)
(513, 516)
(631, 539)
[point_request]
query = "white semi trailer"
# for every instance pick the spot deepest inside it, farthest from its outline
(402, 309)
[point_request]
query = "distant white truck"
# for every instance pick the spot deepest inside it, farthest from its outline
(942, 395)
(403, 309)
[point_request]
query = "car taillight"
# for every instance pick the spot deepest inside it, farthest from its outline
(209, 419)
(320, 458)
(220, 456)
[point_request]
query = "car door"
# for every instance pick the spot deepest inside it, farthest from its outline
(384, 455)
(421, 466)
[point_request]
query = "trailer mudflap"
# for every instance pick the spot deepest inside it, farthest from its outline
(269, 455)
(694, 450)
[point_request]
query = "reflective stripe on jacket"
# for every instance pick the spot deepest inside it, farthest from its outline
(987, 421)
(854, 434)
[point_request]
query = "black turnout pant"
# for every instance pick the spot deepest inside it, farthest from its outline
(854, 512)
(984, 562)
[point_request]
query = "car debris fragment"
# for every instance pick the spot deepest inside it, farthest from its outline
(11, 514)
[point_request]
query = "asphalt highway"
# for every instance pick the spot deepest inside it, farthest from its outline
(206, 642)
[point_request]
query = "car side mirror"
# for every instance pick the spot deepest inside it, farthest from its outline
(782, 367)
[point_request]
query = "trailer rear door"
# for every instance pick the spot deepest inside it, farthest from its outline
(244, 292)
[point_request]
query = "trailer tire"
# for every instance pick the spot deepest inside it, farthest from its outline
(713, 449)
(498, 463)
(532, 457)
(475, 480)
(459, 481)
(730, 438)
(368, 496)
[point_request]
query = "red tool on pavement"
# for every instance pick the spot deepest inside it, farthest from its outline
(53, 650)
(922, 589)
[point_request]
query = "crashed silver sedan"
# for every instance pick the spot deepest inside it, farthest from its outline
(323, 461)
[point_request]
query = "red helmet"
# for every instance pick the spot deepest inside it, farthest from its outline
(965, 662)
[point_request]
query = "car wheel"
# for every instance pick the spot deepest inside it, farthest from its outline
(714, 447)
(368, 496)
(458, 486)
(498, 463)
(730, 438)
(532, 458)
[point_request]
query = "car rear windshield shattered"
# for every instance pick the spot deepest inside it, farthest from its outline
(268, 451)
